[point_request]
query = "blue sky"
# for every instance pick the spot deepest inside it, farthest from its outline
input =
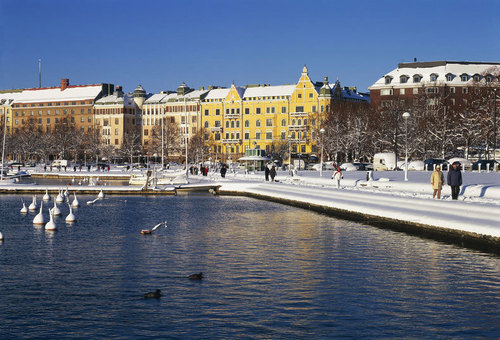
(160, 44)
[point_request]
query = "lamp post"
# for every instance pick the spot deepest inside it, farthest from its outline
(289, 153)
(406, 115)
(162, 138)
(495, 125)
(322, 132)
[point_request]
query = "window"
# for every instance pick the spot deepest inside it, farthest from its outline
(227, 124)
(257, 135)
(322, 108)
(247, 111)
(206, 124)
(237, 123)
(217, 136)
(434, 77)
(449, 77)
(386, 92)
(206, 112)
(269, 135)
(232, 111)
(89, 119)
(299, 109)
(146, 132)
(116, 132)
(82, 120)
(388, 80)
(227, 111)
(283, 109)
(313, 108)
(452, 90)
(247, 123)
(257, 122)
(283, 122)
(269, 122)
(283, 135)
(232, 124)
(217, 112)
(257, 110)
(116, 141)
(417, 78)
(464, 77)
(464, 90)
(217, 123)
(299, 95)
(117, 121)
(247, 135)
(415, 90)
(489, 79)
(402, 91)
(268, 110)
(403, 79)
(72, 111)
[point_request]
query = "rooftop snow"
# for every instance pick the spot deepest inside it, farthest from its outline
(454, 68)
(269, 91)
(55, 94)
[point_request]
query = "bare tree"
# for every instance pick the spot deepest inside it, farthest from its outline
(171, 138)
(131, 145)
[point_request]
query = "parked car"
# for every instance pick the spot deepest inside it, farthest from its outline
(384, 161)
(349, 167)
(431, 163)
(483, 164)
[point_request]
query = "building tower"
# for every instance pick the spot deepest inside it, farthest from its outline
(139, 96)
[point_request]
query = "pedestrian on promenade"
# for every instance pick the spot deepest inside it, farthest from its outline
(223, 171)
(51, 167)
(272, 173)
(266, 172)
(337, 176)
(454, 179)
(437, 180)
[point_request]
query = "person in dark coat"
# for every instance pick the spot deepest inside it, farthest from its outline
(223, 171)
(266, 172)
(454, 179)
(272, 173)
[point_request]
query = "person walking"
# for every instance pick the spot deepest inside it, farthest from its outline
(266, 172)
(272, 173)
(454, 180)
(337, 176)
(437, 180)
(223, 171)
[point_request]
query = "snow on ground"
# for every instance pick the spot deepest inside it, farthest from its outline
(458, 215)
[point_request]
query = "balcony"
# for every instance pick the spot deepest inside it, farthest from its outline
(231, 141)
(232, 115)
(299, 114)
(297, 127)
(215, 129)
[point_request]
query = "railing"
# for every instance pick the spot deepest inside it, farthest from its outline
(296, 127)
(232, 115)
(215, 129)
(231, 141)
(298, 114)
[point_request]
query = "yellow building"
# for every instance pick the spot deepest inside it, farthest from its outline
(7, 99)
(265, 117)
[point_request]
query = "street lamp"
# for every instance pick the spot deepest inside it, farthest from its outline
(289, 153)
(406, 115)
(495, 125)
(322, 132)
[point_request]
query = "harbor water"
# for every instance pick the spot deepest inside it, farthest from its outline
(270, 271)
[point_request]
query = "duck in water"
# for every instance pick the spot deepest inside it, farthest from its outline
(197, 276)
(153, 295)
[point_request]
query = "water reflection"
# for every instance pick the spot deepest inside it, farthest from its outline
(270, 271)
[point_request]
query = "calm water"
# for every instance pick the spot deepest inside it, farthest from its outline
(271, 271)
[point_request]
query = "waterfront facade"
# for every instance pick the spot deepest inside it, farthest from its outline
(178, 113)
(44, 108)
(118, 117)
(273, 118)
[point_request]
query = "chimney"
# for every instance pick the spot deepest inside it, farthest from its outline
(64, 83)
(119, 91)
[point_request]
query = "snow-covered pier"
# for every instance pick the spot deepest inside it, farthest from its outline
(464, 223)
